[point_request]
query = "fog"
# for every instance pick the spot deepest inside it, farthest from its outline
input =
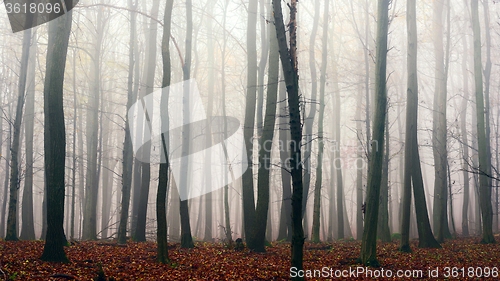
(208, 142)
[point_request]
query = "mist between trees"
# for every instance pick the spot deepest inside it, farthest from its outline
(333, 98)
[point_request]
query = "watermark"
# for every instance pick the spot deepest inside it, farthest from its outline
(205, 153)
(367, 272)
(25, 14)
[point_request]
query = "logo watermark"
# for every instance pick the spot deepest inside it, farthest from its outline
(162, 121)
(25, 14)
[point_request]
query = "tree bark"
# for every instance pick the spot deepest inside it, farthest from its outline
(28, 226)
(12, 219)
(321, 145)
(484, 158)
(412, 169)
(369, 242)
(266, 140)
(91, 179)
(289, 63)
(161, 197)
(248, 130)
(55, 138)
(186, 238)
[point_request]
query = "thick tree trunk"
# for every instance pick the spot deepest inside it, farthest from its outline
(369, 243)
(439, 138)
(484, 158)
(55, 138)
(383, 231)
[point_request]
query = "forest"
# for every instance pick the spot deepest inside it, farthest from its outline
(249, 140)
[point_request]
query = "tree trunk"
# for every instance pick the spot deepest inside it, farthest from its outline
(483, 142)
(92, 180)
(127, 144)
(309, 120)
(319, 168)
(28, 226)
(284, 137)
(248, 130)
(148, 79)
(161, 197)
(439, 131)
(16, 140)
(290, 68)
(369, 243)
(413, 172)
(464, 140)
(55, 138)
(383, 231)
(266, 140)
(186, 238)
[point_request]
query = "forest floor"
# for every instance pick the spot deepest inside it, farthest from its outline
(463, 257)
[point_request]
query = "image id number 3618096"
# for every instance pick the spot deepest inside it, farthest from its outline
(33, 8)
(470, 272)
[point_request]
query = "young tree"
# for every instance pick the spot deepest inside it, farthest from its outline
(289, 63)
(55, 138)
(16, 140)
(369, 242)
(28, 226)
(248, 129)
(161, 197)
(127, 145)
(186, 238)
(319, 168)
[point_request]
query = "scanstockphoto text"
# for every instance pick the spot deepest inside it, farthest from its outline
(346, 156)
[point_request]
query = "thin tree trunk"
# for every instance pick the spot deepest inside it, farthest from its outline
(161, 197)
(16, 140)
(148, 79)
(464, 140)
(319, 168)
(92, 180)
(28, 226)
(261, 212)
(290, 68)
(248, 130)
(208, 156)
(309, 120)
(186, 238)
(127, 145)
